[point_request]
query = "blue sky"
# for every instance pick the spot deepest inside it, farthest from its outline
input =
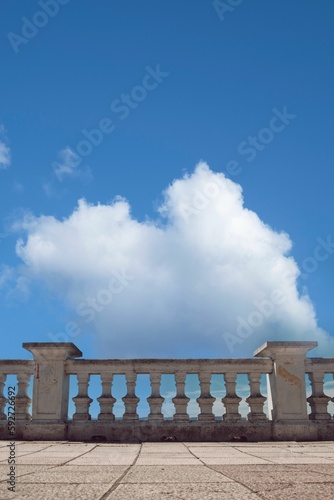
(250, 95)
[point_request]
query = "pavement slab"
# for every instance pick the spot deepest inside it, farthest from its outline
(22, 470)
(189, 471)
(172, 491)
(163, 460)
(294, 459)
(319, 469)
(54, 491)
(96, 460)
(174, 474)
(81, 474)
(250, 475)
(298, 491)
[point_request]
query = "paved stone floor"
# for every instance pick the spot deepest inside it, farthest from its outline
(212, 471)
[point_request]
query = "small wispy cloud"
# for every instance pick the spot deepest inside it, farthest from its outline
(5, 156)
(6, 274)
(48, 188)
(18, 187)
(68, 164)
(13, 286)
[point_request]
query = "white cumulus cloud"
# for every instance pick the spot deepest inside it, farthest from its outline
(181, 285)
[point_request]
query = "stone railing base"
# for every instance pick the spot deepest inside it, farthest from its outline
(193, 431)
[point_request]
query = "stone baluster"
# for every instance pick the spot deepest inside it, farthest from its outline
(3, 399)
(318, 400)
(22, 400)
(106, 400)
(130, 400)
(231, 400)
(155, 400)
(205, 400)
(255, 400)
(180, 400)
(82, 401)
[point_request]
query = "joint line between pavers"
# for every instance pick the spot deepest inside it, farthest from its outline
(122, 476)
(26, 454)
(77, 456)
(222, 473)
(254, 456)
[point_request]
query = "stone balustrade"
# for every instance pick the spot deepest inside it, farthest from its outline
(23, 371)
(284, 364)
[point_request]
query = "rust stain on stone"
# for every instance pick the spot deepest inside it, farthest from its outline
(289, 376)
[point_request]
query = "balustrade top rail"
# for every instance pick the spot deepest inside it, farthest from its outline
(168, 366)
(325, 365)
(15, 366)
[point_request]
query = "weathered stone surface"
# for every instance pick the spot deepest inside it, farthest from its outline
(51, 383)
(286, 391)
(211, 491)
(62, 470)
(76, 474)
(284, 363)
(54, 491)
(256, 474)
(174, 474)
(307, 491)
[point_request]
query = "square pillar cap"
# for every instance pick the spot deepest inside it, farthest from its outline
(52, 350)
(288, 348)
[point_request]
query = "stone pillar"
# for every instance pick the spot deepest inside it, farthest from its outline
(51, 383)
(286, 388)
